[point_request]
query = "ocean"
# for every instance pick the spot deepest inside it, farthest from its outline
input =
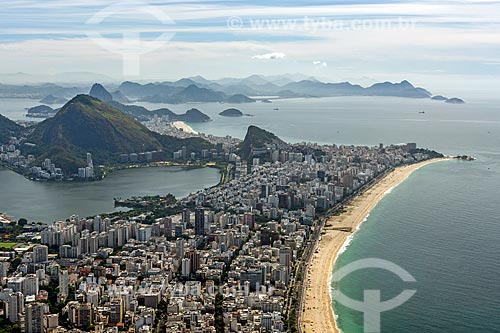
(442, 224)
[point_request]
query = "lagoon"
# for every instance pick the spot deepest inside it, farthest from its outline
(50, 201)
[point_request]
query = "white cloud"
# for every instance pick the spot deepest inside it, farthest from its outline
(456, 36)
(320, 63)
(268, 56)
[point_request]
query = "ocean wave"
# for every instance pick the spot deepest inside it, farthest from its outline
(349, 239)
(389, 190)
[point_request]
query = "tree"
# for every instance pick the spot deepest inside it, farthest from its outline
(219, 313)
(22, 222)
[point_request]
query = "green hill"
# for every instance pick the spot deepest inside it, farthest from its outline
(193, 116)
(86, 124)
(258, 138)
(8, 128)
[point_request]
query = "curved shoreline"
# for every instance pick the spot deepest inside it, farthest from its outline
(318, 312)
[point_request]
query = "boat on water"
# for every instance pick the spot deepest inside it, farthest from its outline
(275, 109)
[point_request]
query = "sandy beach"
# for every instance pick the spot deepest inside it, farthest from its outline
(318, 314)
(183, 126)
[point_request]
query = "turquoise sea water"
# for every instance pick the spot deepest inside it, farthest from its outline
(442, 224)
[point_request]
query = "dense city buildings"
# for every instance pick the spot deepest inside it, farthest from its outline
(226, 261)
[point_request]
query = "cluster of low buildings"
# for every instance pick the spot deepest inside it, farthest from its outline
(10, 154)
(166, 126)
(225, 263)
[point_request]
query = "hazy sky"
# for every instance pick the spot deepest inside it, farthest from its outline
(447, 45)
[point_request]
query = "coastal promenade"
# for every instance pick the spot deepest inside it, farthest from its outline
(316, 313)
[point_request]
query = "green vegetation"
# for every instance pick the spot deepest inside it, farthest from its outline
(152, 206)
(219, 318)
(431, 153)
(147, 201)
(7, 245)
(8, 128)
(10, 231)
(161, 316)
(7, 327)
(14, 264)
(86, 124)
(258, 138)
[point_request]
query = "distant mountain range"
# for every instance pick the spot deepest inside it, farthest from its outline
(177, 93)
(142, 114)
(51, 99)
(39, 91)
(198, 89)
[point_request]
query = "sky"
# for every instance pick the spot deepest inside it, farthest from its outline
(450, 46)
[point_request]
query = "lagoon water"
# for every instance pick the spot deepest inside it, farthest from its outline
(442, 225)
(50, 201)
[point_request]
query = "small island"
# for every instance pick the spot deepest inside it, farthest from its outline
(194, 116)
(231, 113)
(41, 111)
(439, 98)
(455, 101)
